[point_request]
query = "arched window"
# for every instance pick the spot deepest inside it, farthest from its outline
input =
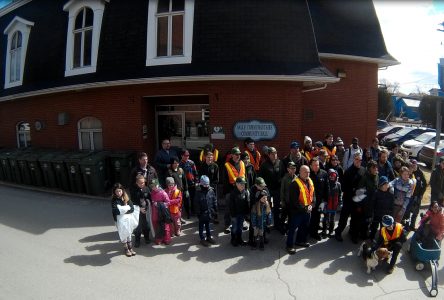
(82, 32)
(15, 57)
(23, 135)
(90, 134)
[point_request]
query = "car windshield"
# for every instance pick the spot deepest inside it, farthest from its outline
(404, 131)
(425, 137)
(387, 129)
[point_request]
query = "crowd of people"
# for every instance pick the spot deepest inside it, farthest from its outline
(379, 190)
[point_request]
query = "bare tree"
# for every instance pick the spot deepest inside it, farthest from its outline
(392, 87)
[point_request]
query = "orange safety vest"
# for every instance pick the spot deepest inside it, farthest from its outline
(397, 231)
(305, 194)
(233, 173)
(330, 153)
(215, 155)
(308, 155)
(174, 209)
(256, 163)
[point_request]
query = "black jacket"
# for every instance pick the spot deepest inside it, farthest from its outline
(382, 204)
(352, 177)
(179, 178)
(272, 173)
(115, 210)
(239, 202)
(211, 170)
(320, 181)
(137, 195)
(205, 203)
(421, 183)
(149, 174)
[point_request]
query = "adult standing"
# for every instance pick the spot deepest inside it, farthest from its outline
(233, 169)
(272, 171)
(307, 151)
(340, 149)
(437, 183)
(319, 178)
(209, 148)
(250, 173)
(190, 169)
(352, 177)
(301, 196)
(210, 169)
(143, 168)
(350, 152)
(295, 156)
(418, 193)
(384, 166)
(329, 146)
(374, 149)
(285, 187)
(239, 208)
(253, 153)
(162, 160)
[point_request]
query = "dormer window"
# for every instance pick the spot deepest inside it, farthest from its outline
(18, 35)
(170, 32)
(83, 36)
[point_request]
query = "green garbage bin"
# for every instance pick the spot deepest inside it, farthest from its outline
(2, 173)
(6, 167)
(60, 171)
(48, 174)
(24, 169)
(72, 162)
(94, 173)
(121, 165)
(14, 165)
(35, 171)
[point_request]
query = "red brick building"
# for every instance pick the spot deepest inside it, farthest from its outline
(97, 74)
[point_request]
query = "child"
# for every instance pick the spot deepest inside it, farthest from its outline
(260, 218)
(402, 187)
(175, 196)
(381, 205)
(334, 198)
(238, 208)
(431, 226)
(205, 203)
(122, 209)
(160, 213)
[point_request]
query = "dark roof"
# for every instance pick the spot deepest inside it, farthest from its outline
(231, 37)
(348, 27)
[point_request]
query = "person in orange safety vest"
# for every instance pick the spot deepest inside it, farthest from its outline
(255, 156)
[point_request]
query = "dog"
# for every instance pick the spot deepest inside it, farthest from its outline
(372, 258)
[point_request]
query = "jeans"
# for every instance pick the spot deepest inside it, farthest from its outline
(300, 222)
(205, 224)
(236, 225)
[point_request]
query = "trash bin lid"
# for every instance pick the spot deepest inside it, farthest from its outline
(93, 159)
(50, 155)
(121, 154)
(76, 157)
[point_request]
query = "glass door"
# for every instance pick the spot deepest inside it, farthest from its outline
(171, 125)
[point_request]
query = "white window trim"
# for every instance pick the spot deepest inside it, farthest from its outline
(73, 7)
(151, 49)
(24, 26)
(91, 133)
(18, 132)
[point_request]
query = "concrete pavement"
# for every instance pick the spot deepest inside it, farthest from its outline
(57, 246)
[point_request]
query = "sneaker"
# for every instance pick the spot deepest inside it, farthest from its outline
(291, 250)
(227, 230)
(211, 241)
(182, 221)
(324, 234)
(303, 244)
(204, 243)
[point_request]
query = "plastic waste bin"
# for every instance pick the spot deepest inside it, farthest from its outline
(2, 173)
(60, 171)
(72, 162)
(93, 172)
(122, 163)
(23, 166)
(13, 163)
(6, 167)
(34, 169)
(48, 174)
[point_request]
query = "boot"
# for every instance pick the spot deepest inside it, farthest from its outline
(234, 241)
(137, 242)
(261, 243)
(130, 248)
(127, 250)
(254, 244)
(240, 241)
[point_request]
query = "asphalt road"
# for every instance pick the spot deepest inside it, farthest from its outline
(57, 246)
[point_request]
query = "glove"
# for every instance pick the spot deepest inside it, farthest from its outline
(187, 194)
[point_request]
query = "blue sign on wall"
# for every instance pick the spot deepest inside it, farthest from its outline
(255, 129)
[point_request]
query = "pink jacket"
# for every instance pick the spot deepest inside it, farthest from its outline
(160, 195)
(436, 222)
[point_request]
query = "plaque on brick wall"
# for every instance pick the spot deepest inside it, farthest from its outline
(255, 129)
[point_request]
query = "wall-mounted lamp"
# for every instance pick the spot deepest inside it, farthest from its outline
(341, 73)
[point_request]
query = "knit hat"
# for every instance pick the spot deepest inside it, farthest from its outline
(241, 180)
(307, 139)
(271, 150)
(294, 145)
(319, 144)
(235, 150)
(169, 180)
(332, 172)
(204, 180)
(265, 149)
(383, 180)
(260, 181)
(339, 142)
(387, 221)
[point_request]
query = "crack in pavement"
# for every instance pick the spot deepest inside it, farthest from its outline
(280, 278)
(399, 291)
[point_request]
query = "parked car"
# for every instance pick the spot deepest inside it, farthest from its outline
(380, 134)
(427, 152)
(381, 124)
(412, 147)
(403, 135)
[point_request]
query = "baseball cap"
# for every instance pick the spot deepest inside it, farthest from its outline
(294, 145)
(260, 181)
(387, 221)
(241, 180)
(235, 150)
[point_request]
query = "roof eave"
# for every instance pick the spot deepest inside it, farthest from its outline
(381, 62)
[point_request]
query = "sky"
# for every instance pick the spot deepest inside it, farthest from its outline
(411, 36)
